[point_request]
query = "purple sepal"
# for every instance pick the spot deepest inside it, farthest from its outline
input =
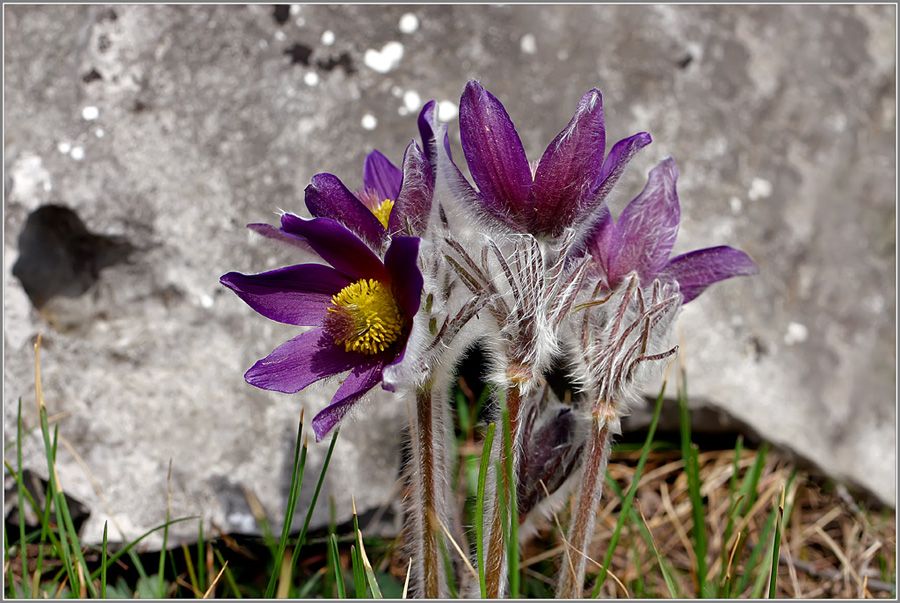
(568, 172)
(645, 233)
(295, 295)
(277, 234)
(495, 154)
(428, 127)
(362, 378)
(412, 206)
(381, 176)
(613, 166)
(337, 246)
(400, 260)
(696, 270)
(300, 361)
(327, 197)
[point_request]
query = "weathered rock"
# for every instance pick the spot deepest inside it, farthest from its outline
(174, 126)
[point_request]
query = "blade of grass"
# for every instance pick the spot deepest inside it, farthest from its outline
(479, 506)
(304, 591)
(756, 554)
(21, 491)
(776, 542)
(201, 567)
(674, 591)
(161, 588)
(130, 546)
(229, 576)
(189, 565)
(296, 482)
(364, 559)
(312, 505)
(689, 452)
(512, 538)
(359, 579)
(334, 560)
(629, 498)
(103, 563)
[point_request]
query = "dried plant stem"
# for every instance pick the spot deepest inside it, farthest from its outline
(427, 477)
(581, 528)
(496, 564)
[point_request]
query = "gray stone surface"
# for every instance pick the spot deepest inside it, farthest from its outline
(782, 120)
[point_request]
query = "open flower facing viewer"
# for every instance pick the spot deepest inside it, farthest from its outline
(361, 310)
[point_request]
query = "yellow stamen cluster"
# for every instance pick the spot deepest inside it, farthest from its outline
(383, 211)
(364, 317)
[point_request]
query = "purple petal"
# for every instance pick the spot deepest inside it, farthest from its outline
(616, 161)
(327, 197)
(303, 360)
(599, 237)
(295, 295)
(696, 270)
(413, 205)
(337, 246)
(361, 379)
(568, 172)
(382, 176)
(401, 262)
(270, 232)
(646, 230)
(428, 127)
(494, 153)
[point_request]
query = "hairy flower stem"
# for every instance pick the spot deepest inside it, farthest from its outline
(581, 529)
(496, 562)
(427, 477)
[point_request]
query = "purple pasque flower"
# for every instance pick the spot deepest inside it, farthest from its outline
(392, 201)
(642, 238)
(360, 307)
(563, 189)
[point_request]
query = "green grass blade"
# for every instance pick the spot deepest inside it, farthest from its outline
(750, 485)
(229, 576)
(201, 564)
(756, 556)
(359, 579)
(128, 549)
(296, 482)
(312, 505)
(512, 538)
(674, 590)
(305, 591)
(632, 491)
(776, 545)
(479, 506)
(21, 491)
(161, 587)
(103, 563)
(690, 453)
(334, 560)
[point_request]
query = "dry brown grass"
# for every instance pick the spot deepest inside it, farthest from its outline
(831, 548)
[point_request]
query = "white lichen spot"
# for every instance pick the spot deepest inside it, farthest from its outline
(48, 186)
(562, 55)
(796, 333)
(280, 36)
(369, 122)
(296, 9)
(327, 37)
(206, 300)
(402, 111)
(397, 91)
(77, 153)
(411, 100)
(311, 78)
(736, 205)
(759, 188)
(409, 23)
(447, 110)
(64, 147)
(528, 44)
(99, 133)
(385, 59)
(299, 21)
(263, 44)
(90, 113)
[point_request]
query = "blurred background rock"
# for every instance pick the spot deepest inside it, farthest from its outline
(166, 128)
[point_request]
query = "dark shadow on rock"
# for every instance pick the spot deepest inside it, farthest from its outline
(59, 256)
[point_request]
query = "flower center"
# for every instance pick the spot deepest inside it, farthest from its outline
(364, 317)
(383, 211)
